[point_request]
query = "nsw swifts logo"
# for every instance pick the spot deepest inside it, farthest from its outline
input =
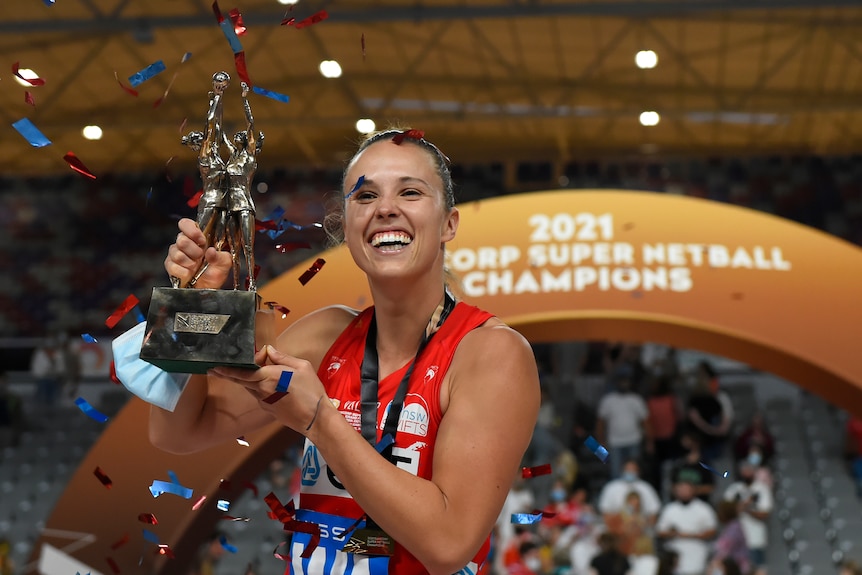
(335, 364)
(414, 416)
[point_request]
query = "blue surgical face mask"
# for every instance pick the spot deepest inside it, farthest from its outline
(755, 459)
(558, 495)
(629, 476)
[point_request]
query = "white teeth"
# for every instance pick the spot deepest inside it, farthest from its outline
(389, 238)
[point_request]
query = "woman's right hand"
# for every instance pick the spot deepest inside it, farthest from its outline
(186, 255)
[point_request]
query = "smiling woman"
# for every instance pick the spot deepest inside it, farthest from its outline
(420, 389)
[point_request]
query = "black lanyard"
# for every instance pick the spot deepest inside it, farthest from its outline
(370, 374)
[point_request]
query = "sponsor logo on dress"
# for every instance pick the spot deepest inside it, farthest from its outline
(430, 373)
(310, 465)
(335, 364)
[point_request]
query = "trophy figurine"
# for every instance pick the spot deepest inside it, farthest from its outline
(191, 330)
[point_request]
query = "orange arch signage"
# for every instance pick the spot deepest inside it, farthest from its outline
(559, 265)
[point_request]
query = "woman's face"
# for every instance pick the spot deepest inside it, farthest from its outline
(396, 222)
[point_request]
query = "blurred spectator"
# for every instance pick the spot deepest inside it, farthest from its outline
(665, 417)
(755, 500)
(755, 435)
(687, 524)
(612, 499)
(71, 352)
(566, 506)
(635, 535)
(7, 566)
(727, 566)
(610, 560)
(11, 415)
(48, 369)
(623, 359)
(706, 414)
(731, 539)
(623, 424)
(850, 568)
(509, 536)
(208, 556)
(668, 562)
(528, 560)
(690, 464)
(853, 449)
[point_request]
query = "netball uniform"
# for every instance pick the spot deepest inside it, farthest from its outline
(323, 500)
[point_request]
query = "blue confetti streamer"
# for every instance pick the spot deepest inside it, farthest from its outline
(89, 338)
(597, 448)
(186, 57)
(173, 477)
(227, 546)
(716, 471)
(31, 133)
(158, 487)
(51, 3)
(384, 442)
(153, 69)
(151, 537)
(138, 315)
(230, 34)
(270, 94)
(223, 505)
(284, 381)
(526, 518)
(356, 186)
(90, 411)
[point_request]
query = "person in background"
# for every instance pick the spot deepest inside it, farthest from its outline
(668, 562)
(610, 560)
(850, 567)
(665, 416)
(756, 502)
(691, 463)
(48, 369)
(209, 555)
(731, 539)
(623, 424)
(706, 415)
(853, 449)
(11, 414)
(528, 560)
(687, 524)
(635, 535)
(612, 499)
(756, 435)
(7, 566)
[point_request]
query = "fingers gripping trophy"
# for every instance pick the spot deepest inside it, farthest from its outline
(191, 330)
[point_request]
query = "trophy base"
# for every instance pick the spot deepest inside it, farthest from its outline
(193, 330)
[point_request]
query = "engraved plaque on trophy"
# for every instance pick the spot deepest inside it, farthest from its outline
(191, 330)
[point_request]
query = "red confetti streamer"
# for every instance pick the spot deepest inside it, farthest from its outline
(127, 89)
(217, 12)
(275, 396)
(288, 21)
(242, 441)
(168, 175)
(158, 102)
(536, 471)
(290, 246)
(32, 81)
(273, 305)
(113, 372)
(100, 475)
(76, 164)
(195, 199)
(114, 567)
(235, 519)
(362, 43)
(312, 271)
(124, 308)
(412, 134)
(305, 527)
(148, 518)
(313, 19)
(278, 555)
(29, 99)
(236, 20)
(260, 225)
(166, 551)
(279, 511)
(119, 543)
(183, 125)
(199, 502)
(241, 68)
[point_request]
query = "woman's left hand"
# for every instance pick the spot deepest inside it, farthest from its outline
(297, 407)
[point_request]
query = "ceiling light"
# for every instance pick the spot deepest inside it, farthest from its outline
(285, 2)
(365, 125)
(92, 132)
(649, 118)
(26, 73)
(330, 69)
(646, 59)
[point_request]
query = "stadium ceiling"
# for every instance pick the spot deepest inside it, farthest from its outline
(486, 80)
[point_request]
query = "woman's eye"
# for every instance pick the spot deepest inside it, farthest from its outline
(411, 192)
(364, 195)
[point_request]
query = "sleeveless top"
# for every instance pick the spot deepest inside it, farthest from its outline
(322, 499)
